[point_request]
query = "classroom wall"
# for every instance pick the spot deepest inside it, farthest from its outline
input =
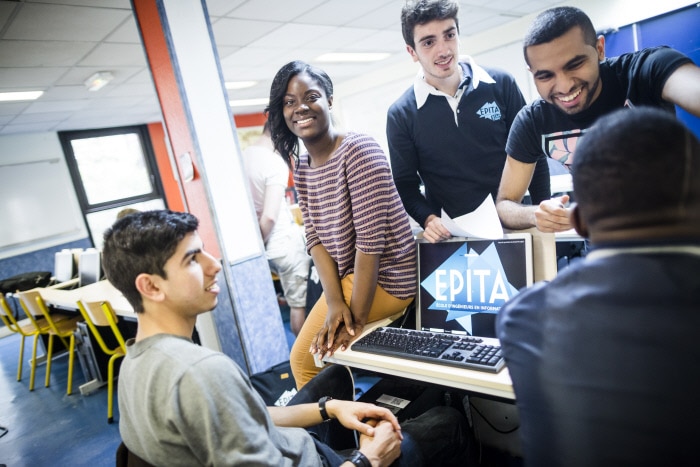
(38, 205)
(33, 205)
(41, 215)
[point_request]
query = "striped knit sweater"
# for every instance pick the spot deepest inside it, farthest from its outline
(350, 203)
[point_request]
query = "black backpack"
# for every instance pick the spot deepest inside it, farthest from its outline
(276, 385)
(25, 281)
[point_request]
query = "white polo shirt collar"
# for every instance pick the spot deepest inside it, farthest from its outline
(422, 89)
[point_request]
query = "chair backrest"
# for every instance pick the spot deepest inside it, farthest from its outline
(35, 308)
(101, 314)
(6, 315)
(12, 323)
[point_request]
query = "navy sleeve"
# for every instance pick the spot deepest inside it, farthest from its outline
(404, 160)
(513, 97)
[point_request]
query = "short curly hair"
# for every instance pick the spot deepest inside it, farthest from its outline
(637, 167)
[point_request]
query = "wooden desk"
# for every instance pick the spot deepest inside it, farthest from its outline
(494, 384)
(67, 299)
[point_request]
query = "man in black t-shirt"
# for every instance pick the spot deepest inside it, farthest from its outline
(577, 85)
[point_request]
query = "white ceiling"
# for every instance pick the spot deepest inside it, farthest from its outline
(54, 45)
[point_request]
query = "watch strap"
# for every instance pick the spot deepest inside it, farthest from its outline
(359, 460)
(322, 407)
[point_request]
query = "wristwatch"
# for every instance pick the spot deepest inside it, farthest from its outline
(359, 460)
(322, 407)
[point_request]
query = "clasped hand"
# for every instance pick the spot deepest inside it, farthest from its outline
(380, 432)
(337, 331)
(363, 417)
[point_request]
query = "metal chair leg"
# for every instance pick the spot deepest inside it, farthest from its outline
(21, 357)
(71, 360)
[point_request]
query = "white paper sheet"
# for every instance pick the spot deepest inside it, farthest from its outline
(483, 222)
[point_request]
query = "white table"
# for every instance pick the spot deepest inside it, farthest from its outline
(67, 299)
(494, 384)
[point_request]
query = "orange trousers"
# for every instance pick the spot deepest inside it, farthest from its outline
(301, 360)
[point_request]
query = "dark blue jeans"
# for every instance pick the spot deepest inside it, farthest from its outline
(438, 436)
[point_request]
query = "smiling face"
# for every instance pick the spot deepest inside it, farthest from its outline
(190, 286)
(437, 51)
(306, 108)
(566, 70)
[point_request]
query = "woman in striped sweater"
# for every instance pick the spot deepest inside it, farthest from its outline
(357, 231)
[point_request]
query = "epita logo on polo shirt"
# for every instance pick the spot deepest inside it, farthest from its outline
(490, 110)
(468, 282)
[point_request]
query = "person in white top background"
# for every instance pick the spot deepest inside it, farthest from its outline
(285, 247)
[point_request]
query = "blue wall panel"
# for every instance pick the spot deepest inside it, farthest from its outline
(678, 29)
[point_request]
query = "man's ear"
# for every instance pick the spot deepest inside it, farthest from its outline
(600, 47)
(148, 287)
(412, 52)
(578, 223)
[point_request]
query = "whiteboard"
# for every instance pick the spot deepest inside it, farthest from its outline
(36, 203)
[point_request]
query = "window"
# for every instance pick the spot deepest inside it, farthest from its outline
(112, 169)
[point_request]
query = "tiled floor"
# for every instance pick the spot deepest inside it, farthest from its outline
(46, 427)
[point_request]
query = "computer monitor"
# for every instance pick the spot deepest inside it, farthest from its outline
(463, 282)
(63, 266)
(90, 267)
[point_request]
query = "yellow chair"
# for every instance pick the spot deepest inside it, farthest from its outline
(61, 327)
(102, 314)
(24, 330)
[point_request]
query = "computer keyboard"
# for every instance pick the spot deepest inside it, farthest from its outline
(468, 352)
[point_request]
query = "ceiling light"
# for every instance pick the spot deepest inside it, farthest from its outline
(98, 80)
(247, 102)
(240, 84)
(352, 57)
(20, 96)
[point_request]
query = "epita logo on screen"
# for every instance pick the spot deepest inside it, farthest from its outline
(468, 283)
